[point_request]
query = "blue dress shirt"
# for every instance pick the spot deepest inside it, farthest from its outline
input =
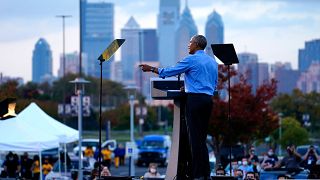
(201, 72)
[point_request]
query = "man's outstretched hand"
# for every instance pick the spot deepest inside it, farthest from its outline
(145, 67)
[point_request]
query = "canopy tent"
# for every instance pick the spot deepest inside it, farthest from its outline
(34, 115)
(17, 136)
(34, 130)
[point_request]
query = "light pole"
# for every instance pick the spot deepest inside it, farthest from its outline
(63, 43)
(141, 120)
(131, 94)
(79, 90)
(280, 133)
(63, 17)
(63, 61)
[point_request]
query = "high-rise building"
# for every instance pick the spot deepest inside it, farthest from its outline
(285, 76)
(116, 71)
(214, 31)
(97, 33)
(130, 50)
(149, 44)
(311, 53)
(248, 66)
(185, 30)
(263, 70)
(41, 61)
(309, 81)
(168, 19)
(71, 64)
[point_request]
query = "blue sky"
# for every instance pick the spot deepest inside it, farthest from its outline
(274, 29)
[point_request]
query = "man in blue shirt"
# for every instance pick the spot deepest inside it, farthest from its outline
(201, 75)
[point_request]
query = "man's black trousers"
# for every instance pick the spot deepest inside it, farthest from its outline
(198, 111)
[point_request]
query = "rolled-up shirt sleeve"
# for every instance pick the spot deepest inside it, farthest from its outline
(181, 67)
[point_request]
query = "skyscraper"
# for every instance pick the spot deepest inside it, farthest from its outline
(286, 77)
(310, 80)
(130, 50)
(214, 31)
(248, 66)
(71, 62)
(263, 73)
(96, 34)
(149, 44)
(311, 53)
(41, 61)
(168, 19)
(185, 30)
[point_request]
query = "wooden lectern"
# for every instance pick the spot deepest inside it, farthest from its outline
(167, 89)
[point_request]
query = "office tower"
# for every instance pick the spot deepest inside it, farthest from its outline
(248, 66)
(214, 31)
(185, 30)
(263, 71)
(285, 76)
(168, 19)
(149, 44)
(309, 81)
(97, 33)
(116, 71)
(130, 50)
(41, 61)
(71, 64)
(310, 53)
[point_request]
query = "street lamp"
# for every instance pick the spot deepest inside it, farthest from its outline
(131, 95)
(63, 60)
(79, 91)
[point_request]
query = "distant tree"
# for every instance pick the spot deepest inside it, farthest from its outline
(9, 89)
(251, 116)
(293, 133)
(298, 104)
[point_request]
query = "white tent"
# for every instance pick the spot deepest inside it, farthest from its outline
(17, 136)
(34, 115)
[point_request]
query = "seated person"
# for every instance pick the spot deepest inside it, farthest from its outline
(220, 172)
(292, 160)
(245, 167)
(239, 174)
(310, 158)
(152, 171)
(269, 160)
(282, 176)
(250, 176)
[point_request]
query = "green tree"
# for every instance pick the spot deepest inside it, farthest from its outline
(293, 133)
(298, 104)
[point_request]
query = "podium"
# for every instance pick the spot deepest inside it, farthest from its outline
(169, 89)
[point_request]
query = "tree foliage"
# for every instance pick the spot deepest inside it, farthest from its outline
(298, 104)
(293, 133)
(251, 116)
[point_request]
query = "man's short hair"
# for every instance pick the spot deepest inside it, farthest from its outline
(201, 41)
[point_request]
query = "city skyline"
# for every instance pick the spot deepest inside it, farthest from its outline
(275, 30)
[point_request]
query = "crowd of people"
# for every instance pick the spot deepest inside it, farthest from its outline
(250, 166)
(24, 167)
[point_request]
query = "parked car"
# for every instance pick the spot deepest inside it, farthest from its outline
(302, 150)
(72, 169)
(154, 148)
(94, 143)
